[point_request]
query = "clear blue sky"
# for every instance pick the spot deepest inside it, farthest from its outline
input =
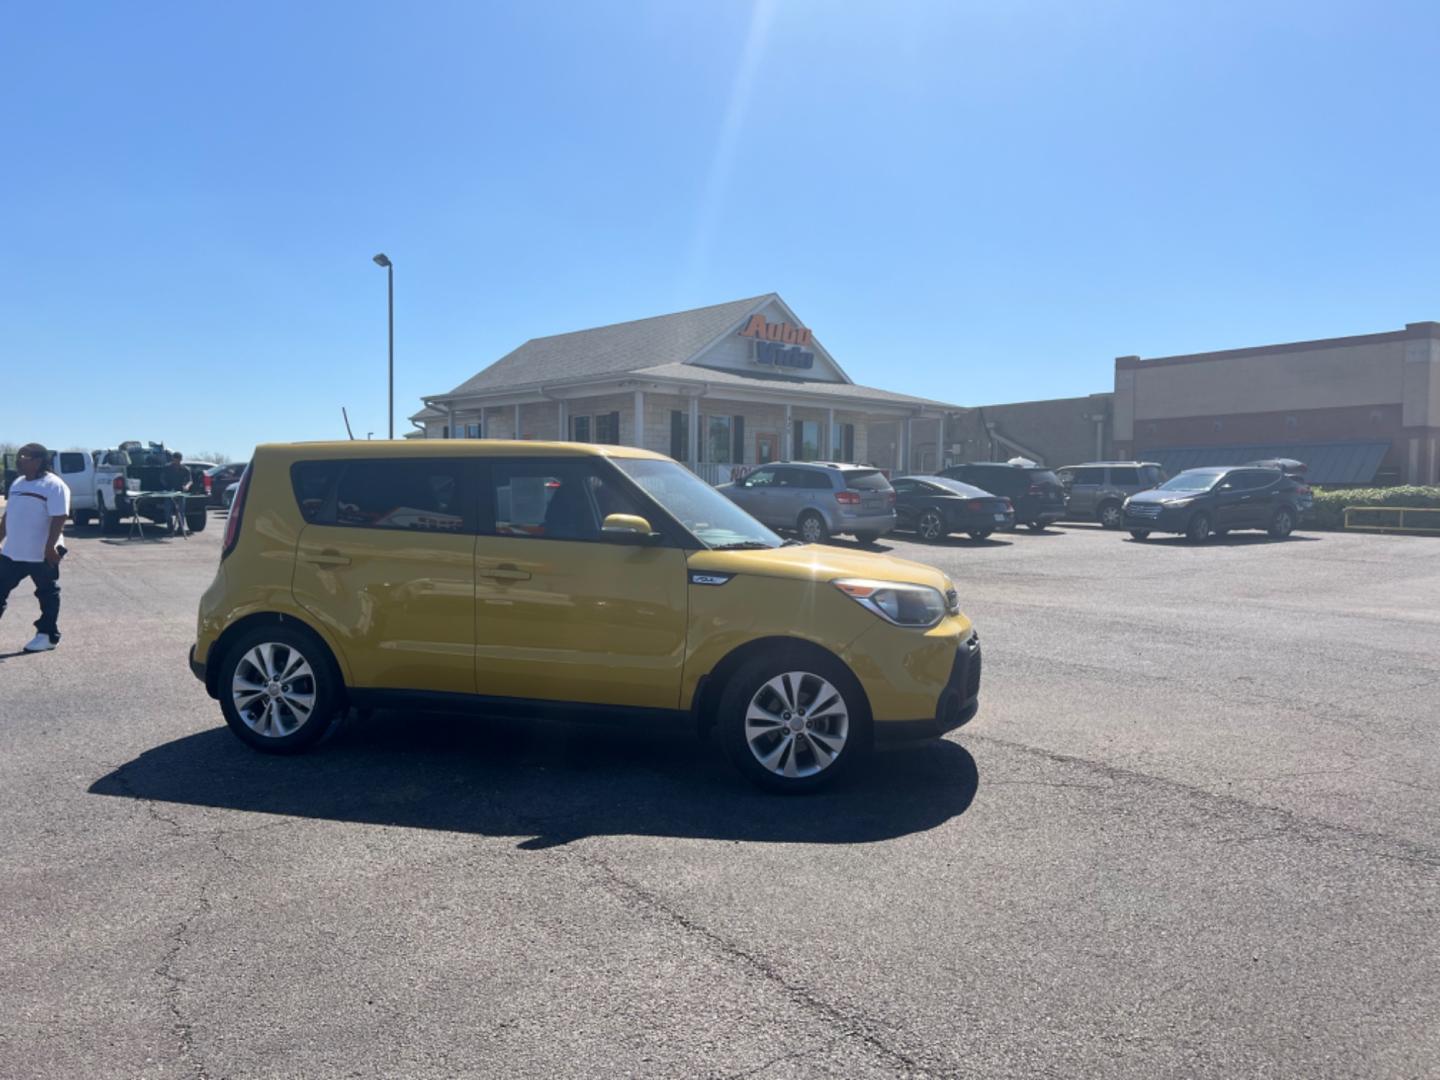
(978, 202)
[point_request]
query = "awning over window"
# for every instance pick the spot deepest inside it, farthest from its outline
(1337, 463)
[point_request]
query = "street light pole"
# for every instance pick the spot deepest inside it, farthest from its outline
(382, 260)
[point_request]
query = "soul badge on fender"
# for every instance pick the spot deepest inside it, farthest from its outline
(698, 578)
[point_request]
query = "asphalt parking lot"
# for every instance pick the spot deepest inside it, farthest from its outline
(1191, 833)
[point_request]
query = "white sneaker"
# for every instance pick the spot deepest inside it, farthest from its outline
(40, 643)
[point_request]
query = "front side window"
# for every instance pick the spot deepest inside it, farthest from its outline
(761, 478)
(419, 495)
(709, 516)
(1193, 480)
(555, 500)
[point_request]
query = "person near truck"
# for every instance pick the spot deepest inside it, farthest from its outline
(176, 477)
(31, 544)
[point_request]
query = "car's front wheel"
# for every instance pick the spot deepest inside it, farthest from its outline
(794, 723)
(931, 525)
(1035, 526)
(279, 690)
(812, 528)
(981, 534)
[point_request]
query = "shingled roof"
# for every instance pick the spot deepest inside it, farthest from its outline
(610, 350)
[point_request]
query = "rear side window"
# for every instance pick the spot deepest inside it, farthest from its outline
(867, 480)
(999, 481)
(426, 495)
(71, 462)
(1084, 476)
(314, 484)
(1125, 476)
(817, 480)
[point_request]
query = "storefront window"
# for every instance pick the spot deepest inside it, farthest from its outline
(717, 439)
(607, 428)
(472, 431)
(807, 440)
(580, 429)
(679, 435)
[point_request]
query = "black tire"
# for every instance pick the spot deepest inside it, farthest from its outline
(1282, 524)
(1217, 533)
(1140, 534)
(807, 751)
(1036, 526)
(83, 518)
(109, 520)
(812, 528)
(320, 680)
(981, 534)
(1111, 515)
(196, 522)
(1197, 530)
(867, 537)
(930, 526)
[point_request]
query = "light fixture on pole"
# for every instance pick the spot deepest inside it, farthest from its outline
(383, 260)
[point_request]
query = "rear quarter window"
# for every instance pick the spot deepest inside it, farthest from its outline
(314, 484)
(71, 462)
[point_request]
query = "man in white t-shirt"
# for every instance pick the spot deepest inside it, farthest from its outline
(31, 545)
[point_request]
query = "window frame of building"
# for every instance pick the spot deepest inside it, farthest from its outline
(610, 420)
(798, 442)
(473, 431)
(576, 423)
(679, 434)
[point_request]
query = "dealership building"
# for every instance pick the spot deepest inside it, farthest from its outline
(1357, 410)
(721, 388)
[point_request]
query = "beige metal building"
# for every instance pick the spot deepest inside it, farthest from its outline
(1357, 409)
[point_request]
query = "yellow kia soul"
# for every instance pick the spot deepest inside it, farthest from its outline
(525, 577)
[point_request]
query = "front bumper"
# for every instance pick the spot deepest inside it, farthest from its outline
(958, 704)
(1167, 519)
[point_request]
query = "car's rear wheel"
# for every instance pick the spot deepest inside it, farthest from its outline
(981, 534)
(109, 520)
(1282, 524)
(1198, 531)
(279, 689)
(812, 528)
(1140, 534)
(1111, 516)
(794, 723)
(1035, 526)
(196, 522)
(867, 537)
(931, 525)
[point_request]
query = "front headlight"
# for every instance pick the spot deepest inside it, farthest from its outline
(902, 604)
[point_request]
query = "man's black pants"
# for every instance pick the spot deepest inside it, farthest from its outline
(46, 577)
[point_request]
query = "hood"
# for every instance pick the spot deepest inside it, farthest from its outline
(818, 562)
(1163, 497)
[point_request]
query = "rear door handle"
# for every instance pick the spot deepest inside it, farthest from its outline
(504, 573)
(328, 558)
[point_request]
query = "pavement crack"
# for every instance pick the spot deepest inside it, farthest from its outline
(790, 1056)
(850, 1025)
(179, 939)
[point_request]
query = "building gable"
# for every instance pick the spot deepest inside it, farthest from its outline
(771, 341)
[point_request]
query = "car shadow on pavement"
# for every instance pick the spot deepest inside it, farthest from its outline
(1238, 539)
(546, 783)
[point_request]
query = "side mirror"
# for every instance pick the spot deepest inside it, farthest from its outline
(628, 529)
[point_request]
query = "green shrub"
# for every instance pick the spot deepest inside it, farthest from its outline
(1330, 503)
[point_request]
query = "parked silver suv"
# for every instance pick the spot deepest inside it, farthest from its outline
(818, 499)
(1097, 490)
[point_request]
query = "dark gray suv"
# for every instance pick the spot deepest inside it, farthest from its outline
(1097, 490)
(818, 499)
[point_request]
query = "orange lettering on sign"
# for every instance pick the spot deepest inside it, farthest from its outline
(758, 327)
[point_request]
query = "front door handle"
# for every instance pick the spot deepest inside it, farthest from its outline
(328, 557)
(504, 573)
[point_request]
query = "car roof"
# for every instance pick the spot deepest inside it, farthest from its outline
(478, 448)
(1099, 464)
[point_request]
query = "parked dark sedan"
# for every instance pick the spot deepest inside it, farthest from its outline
(221, 477)
(1033, 490)
(1199, 502)
(934, 506)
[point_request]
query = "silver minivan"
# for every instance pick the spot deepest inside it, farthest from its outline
(1097, 490)
(818, 499)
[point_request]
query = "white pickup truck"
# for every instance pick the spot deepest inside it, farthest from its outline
(121, 474)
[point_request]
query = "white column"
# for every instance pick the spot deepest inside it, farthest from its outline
(692, 446)
(639, 439)
(830, 436)
(564, 434)
(517, 420)
(909, 441)
(787, 438)
(451, 410)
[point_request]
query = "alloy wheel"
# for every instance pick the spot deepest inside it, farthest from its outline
(1111, 516)
(812, 529)
(273, 689)
(931, 525)
(797, 725)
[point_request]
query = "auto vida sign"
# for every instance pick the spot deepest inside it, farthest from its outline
(779, 344)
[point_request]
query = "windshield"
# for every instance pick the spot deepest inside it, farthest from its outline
(1194, 480)
(957, 486)
(714, 519)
